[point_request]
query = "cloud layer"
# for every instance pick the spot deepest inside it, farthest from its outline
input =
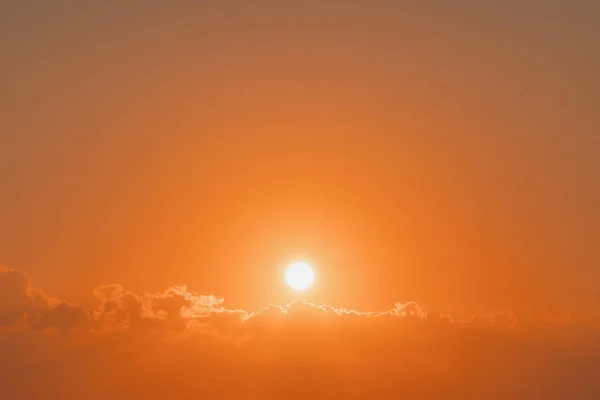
(179, 343)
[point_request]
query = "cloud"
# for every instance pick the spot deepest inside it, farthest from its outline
(18, 300)
(172, 310)
(25, 306)
(178, 343)
(63, 317)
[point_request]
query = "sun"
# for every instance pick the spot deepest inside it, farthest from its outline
(299, 275)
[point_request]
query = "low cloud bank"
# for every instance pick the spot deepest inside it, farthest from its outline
(180, 343)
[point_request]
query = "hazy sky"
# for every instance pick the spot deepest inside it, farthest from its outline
(444, 152)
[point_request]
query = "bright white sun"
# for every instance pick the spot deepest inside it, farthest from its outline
(299, 275)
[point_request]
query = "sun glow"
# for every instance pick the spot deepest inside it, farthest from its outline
(299, 276)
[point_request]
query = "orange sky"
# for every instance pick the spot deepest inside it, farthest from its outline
(444, 154)
(437, 162)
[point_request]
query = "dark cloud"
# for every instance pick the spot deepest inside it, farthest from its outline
(18, 300)
(63, 317)
(178, 343)
(24, 306)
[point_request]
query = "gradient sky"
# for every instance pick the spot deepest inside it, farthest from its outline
(443, 152)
